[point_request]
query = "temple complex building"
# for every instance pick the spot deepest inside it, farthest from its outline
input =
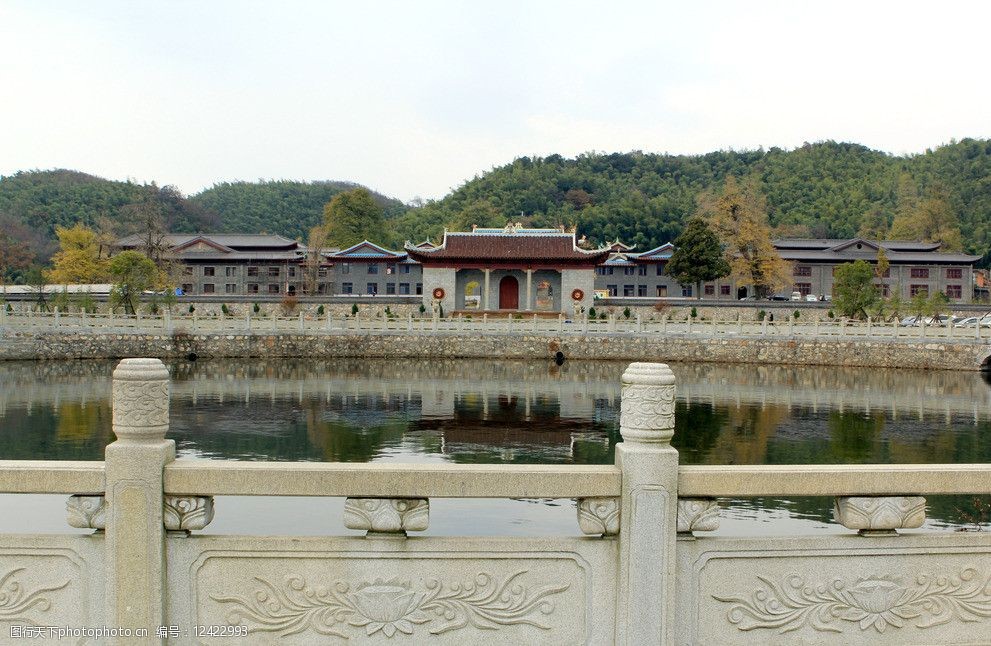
(514, 268)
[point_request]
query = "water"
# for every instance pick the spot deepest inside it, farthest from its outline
(504, 412)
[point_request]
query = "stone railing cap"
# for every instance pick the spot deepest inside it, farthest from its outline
(648, 374)
(141, 370)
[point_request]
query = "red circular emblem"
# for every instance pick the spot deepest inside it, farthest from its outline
(439, 293)
(577, 295)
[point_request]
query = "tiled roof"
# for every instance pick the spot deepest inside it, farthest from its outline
(829, 243)
(366, 250)
(495, 244)
(233, 240)
(894, 257)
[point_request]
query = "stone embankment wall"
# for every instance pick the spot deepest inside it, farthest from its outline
(955, 355)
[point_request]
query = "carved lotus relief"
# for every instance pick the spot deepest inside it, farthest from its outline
(392, 606)
(878, 602)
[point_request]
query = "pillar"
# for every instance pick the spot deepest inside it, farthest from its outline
(135, 535)
(649, 510)
(529, 290)
(488, 273)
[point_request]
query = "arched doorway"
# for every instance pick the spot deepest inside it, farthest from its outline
(509, 293)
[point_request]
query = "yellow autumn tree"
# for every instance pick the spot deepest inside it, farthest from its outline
(738, 215)
(78, 259)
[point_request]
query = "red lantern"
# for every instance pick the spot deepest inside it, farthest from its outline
(439, 293)
(577, 295)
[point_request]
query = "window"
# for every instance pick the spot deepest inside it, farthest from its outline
(954, 272)
(887, 273)
(724, 290)
(292, 272)
(252, 288)
(208, 271)
(390, 268)
(686, 291)
(885, 290)
(187, 270)
(803, 288)
(230, 288)
(920, 272)
(230, 271)
(601, 271)
(273, 271)
(252, 271)
(660, 270)
(322, 272)
(273, 288)
(390, 288)
(404, 269)
(914, 290)
(347, 288)
(613, 290)
(662, 290)
(642, 270)
(954, 291)
(345, 268)
(803, 270)
(321, 289)
(371, 289)
(187, 288)
(629, 271)
(208, 288)
(628, 290)
(710, 290)
(404, 288)
(419, 289)
(641, 290)
(373, 268)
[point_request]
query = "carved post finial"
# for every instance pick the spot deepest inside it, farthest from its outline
(647, 408)
(141, 400)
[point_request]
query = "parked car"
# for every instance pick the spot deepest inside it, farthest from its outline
(909, 321)
(811, 298)
(796, 296)
(970, 321)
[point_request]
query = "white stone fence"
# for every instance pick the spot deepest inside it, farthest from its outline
(644, 572)
(311, 324)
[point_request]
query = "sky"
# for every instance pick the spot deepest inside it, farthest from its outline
(414, 98)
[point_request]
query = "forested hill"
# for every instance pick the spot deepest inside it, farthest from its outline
(819, 190)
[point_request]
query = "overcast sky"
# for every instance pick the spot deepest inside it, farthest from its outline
(413, 98)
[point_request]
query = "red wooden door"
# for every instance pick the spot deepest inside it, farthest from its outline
(509, 293)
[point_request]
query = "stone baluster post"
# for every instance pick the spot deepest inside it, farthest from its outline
(869, 327)
(922, 328)
(664, 324)
(167, 320)
(791, 325)
(649, 510)
(977, 329)
(247, 320)
(739, 323)
(302, 323)
(689, 326)
(135, 535)
(534, 322)
(409, 321)
(110, 318)
(560, 323)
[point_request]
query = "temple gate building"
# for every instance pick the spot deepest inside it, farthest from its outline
(510, 269)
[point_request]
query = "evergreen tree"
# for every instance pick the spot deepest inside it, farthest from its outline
(133, 273)
(698, 256)
(854, 291)
(353, 216)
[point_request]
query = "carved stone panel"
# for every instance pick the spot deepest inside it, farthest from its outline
(387, 514)
(296, 598)
(698, 515)
(187, 512)
(598, 516)
(880, 513)
(42, 587)
(647, 404)
(841, 590)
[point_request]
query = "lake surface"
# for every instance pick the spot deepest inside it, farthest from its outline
(503, 412)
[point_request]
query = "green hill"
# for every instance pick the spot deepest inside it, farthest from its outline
(820, 190)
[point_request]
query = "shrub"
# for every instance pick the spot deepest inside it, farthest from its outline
(761, 315)
(320, 311)
(830, 314)
(354, 309)
(192, 308)
(256, 308)
(797, 314)
(695, 313)
(602, 316)
(661, 306)
(225, 310)
(626, 312)
(423, 308)
(289, 304)
(591, 312)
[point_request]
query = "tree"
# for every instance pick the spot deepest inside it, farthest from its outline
(932, 220)
(874, 226)
(353, 216)
(78, 259)
(480, 213)
(854, 291)
(698, 256)
(314, 258)
(738, 215)
(133, 273)
(883, 264)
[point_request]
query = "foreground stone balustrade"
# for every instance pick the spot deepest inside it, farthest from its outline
(387, 515)
(599, 516)
(179, 513)
(880, 515)
(697, 515)
(86, 512)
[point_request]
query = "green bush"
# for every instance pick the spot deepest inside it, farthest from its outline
(225, 310)
(256, 308)
(320, 311)
(354, 309)
(626, 312)
(591, 312)
(761, 315)
(797, 314)
(830, 314)
(602, 316)
(694, 313)
(423, 308)
(192, 309)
